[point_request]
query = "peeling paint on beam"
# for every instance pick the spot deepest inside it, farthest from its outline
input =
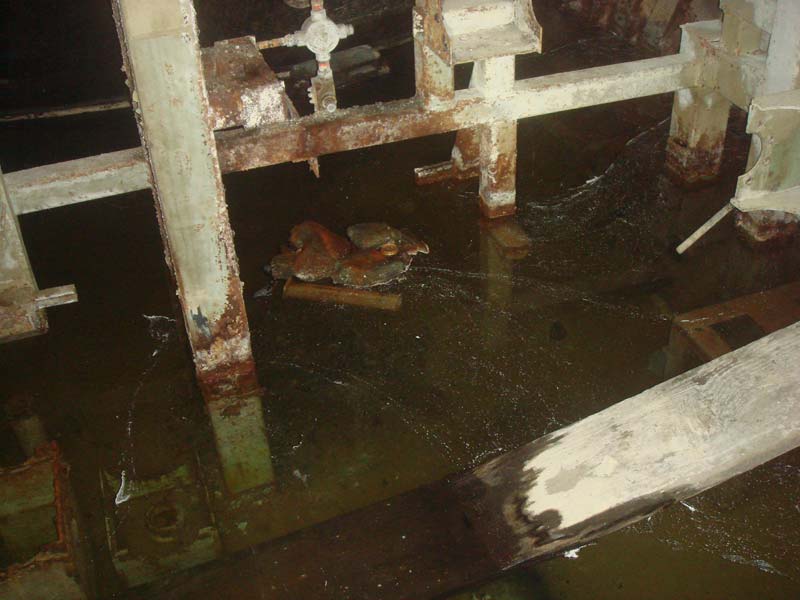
(75, 181)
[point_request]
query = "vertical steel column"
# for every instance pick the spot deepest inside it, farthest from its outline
(162, 59)
(498, 142)
(489, 151)
(699, 122)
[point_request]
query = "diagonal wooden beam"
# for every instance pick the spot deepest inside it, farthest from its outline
(561, 491)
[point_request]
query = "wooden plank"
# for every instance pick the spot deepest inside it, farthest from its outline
(333, 294)
(696, 335)
(565, 489)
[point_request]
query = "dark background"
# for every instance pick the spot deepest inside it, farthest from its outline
(59, 53)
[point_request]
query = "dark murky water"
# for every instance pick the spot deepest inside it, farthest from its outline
(486, 353)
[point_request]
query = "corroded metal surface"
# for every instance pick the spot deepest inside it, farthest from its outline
(192, 210)
(81, 180)
(769, 193)
(362, 127)
(433, 70)
(699, 116)
(775, 168)
(159, 524)
(58, 568)
(479, 30)
(376, 254)
(309, 137)
(242, 90)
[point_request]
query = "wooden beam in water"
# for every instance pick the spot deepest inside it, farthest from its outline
(334, 294)
(561, 491)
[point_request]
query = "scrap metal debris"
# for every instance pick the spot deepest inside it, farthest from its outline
(375, 254)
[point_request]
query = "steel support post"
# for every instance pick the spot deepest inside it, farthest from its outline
(162, 58)
(488, 151)
(498, 142)
(699, 118)
(464, 160)
(782, 75)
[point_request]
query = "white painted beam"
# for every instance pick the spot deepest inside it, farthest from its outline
(162, 57)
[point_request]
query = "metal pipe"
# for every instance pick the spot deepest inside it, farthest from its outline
(704, 228)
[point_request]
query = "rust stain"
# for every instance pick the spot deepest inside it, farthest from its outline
(63, 550)
(311, 137)
(242, 89)
(497, 211)
(694, 164)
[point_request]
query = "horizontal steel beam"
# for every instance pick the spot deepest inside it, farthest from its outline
(74, 181)
(376, 124)
(308, 137)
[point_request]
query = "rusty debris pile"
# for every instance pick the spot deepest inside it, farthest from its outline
(374, 254)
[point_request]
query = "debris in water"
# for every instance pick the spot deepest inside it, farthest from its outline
(123, 493)
(301, 476)
(375, 254)
(689, 506)
(341, 295)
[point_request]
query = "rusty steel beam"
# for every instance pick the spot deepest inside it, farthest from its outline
(384, 123)
(360, 127)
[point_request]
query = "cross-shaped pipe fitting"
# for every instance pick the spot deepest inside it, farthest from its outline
(319, 34)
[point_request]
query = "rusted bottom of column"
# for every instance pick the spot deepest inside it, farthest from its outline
(694, 165)
(496, 211)
(229, 381)
(767, 229)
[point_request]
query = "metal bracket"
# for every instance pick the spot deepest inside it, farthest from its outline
(773, 183)
(22, 303)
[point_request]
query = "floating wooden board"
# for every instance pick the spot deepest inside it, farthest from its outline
(559, 492)
(336, 294)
